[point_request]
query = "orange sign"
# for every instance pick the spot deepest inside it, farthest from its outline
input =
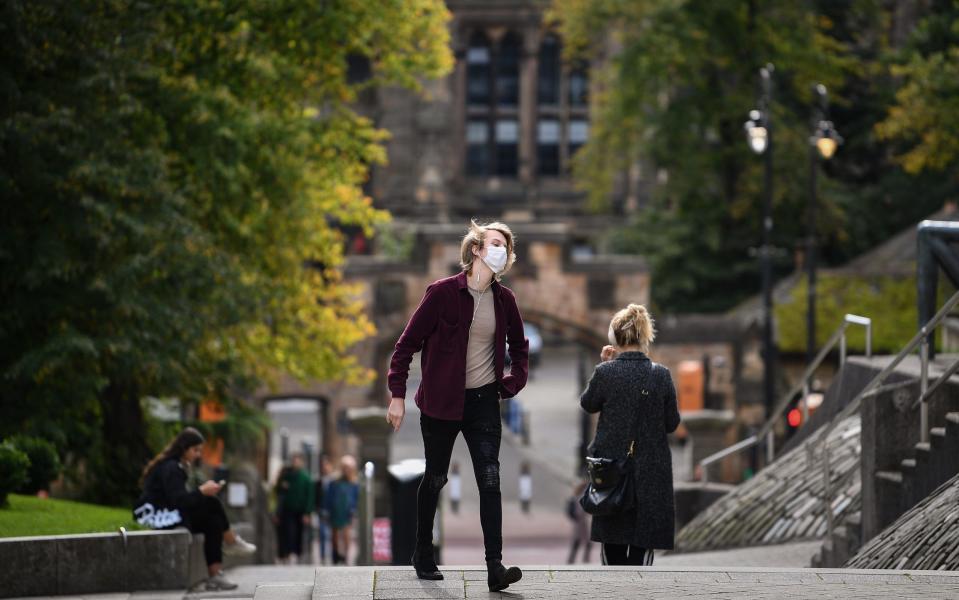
(212, 411)
(691, 385)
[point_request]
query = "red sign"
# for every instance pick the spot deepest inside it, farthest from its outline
(382, 552)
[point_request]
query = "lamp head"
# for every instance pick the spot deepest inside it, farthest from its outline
(827, 140)
(826, 146)
(756, 135)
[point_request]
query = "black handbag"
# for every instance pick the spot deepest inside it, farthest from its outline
(612, 487)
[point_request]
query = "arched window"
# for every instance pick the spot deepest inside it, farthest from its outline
(493, 119)
(562, 105)
(547, 81)
(578, 86)
(507, 70)
(547, 146)
(477, 147)
(478, 70)
(492, 99)
(578, 134)
(507, 145)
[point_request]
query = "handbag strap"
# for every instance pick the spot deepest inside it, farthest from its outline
(644, 392)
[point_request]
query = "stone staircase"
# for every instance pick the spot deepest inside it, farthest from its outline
(931, 465)
(782, 503)
(844, 543)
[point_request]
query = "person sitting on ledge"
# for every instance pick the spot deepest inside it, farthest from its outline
(167, 503)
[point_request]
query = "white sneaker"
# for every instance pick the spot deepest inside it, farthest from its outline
(219, 582)
(240, 547)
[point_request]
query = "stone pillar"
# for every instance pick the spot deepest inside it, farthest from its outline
(457, 82)
(529, 68)
(373, 432)
(707, 430)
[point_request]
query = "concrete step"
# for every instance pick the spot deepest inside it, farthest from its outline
(952, 425)
(890, 487)
(941, 463)
(841, 546)
(854, 519)
(894, 477)
(828, 548)
(283, 591)
(561, 582)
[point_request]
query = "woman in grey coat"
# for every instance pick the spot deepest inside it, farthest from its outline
(637, 402)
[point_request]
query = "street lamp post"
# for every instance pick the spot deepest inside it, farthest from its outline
(760, 136)
(822, 145)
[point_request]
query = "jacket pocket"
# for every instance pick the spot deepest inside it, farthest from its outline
(447, 335)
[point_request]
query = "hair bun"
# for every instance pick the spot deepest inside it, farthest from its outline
(633, 325)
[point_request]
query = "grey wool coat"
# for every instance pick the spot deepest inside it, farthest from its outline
(632, 390)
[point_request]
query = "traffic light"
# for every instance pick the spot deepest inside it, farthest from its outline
(793, 419)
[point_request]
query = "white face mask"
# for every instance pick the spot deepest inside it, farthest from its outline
(495, 258)
(611, 336)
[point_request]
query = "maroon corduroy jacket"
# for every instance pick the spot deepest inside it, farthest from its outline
(439, 328)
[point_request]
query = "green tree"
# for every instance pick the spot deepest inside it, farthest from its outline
(924, 120)
(674, 93)
(173, 178)
(876, 197)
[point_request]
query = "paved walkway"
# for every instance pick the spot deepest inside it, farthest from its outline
(559, 583)
(793, 555)
(662, 584)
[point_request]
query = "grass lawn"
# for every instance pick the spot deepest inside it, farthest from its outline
(28, 515)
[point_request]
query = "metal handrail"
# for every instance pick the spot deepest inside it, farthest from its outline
(921, 339)
(932, 388)
(766, 431)
(740, 445)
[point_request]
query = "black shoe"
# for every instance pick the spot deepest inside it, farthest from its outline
(425, 566)
(500, 577)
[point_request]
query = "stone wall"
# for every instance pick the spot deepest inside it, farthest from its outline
(99, 563)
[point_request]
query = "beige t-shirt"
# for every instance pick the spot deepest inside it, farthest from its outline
(479, 351)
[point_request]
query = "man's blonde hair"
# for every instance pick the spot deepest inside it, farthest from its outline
(476, 237)
(633, 326)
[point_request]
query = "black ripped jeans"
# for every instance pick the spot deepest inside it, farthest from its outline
(482, 429)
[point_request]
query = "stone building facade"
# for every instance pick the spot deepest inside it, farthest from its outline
(494, 140)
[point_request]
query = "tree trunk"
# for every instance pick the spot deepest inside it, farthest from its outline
(124, 449)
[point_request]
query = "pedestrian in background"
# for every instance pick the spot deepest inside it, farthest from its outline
(275, 515)
(342, 499)
(580, 521)
(525, 487)
(636, 402)
(323, 515)
(295, 503)
(168, 502)
(461, 329)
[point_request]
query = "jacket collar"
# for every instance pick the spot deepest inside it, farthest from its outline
(462, 284)
(632, 356)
